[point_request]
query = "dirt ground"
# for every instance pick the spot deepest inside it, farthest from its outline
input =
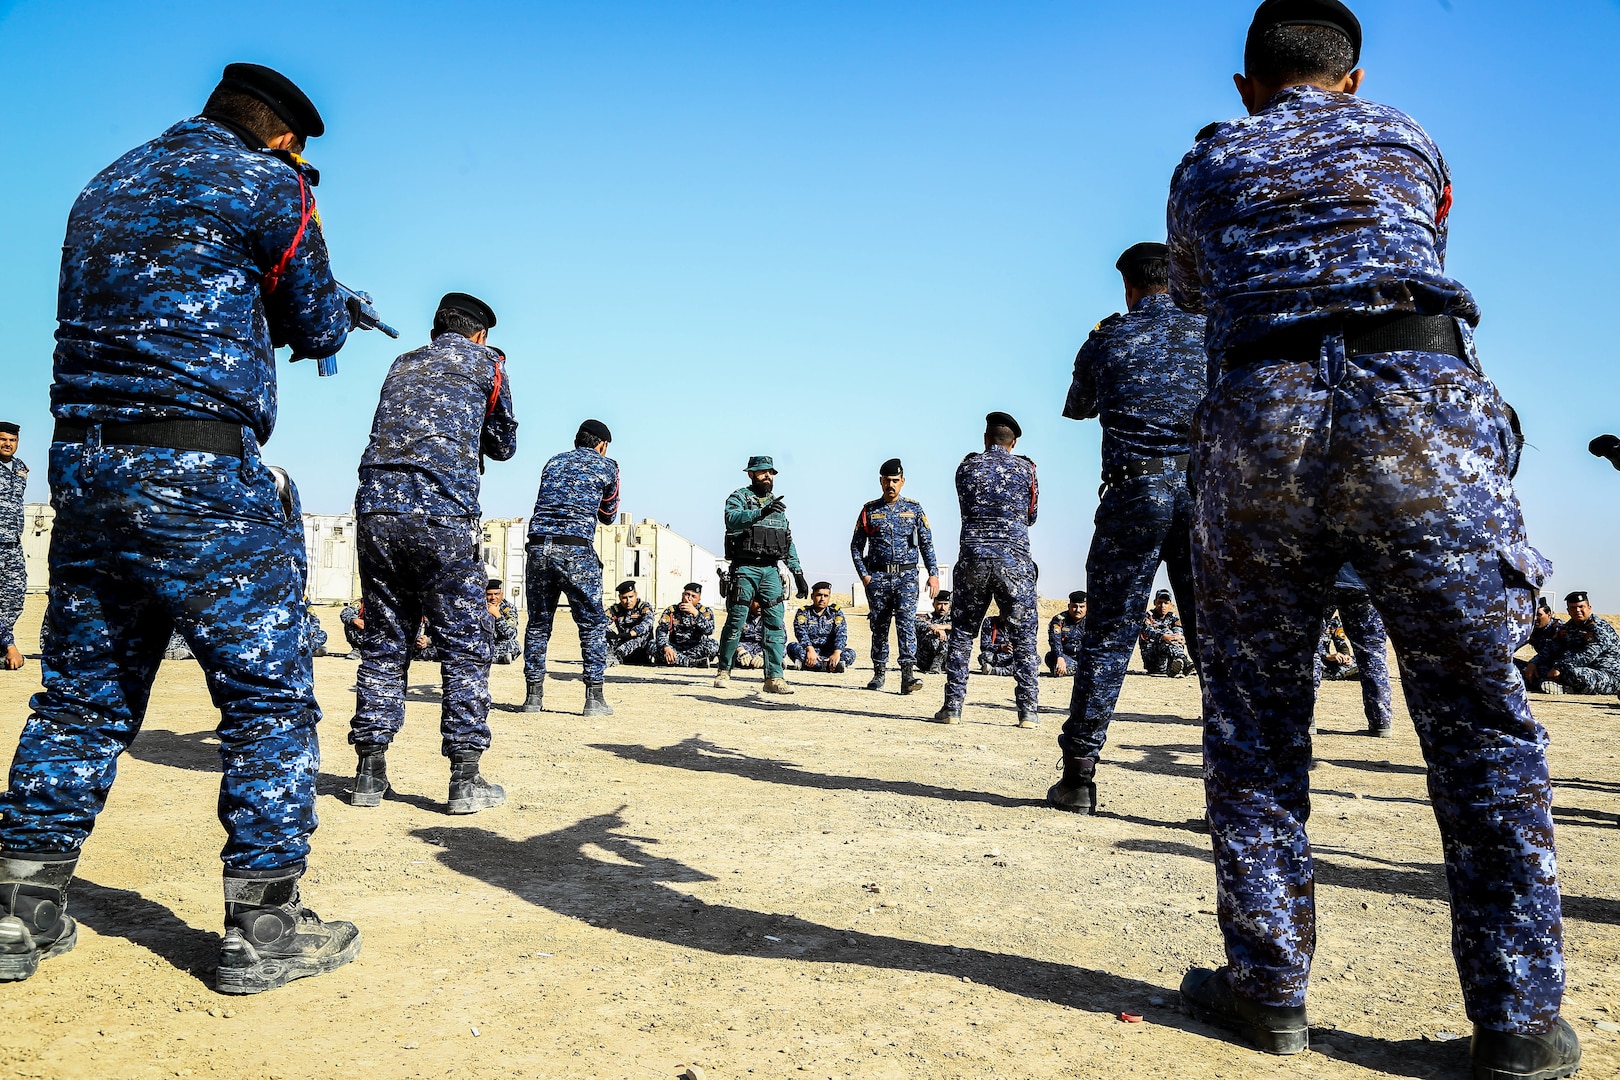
(819, 886)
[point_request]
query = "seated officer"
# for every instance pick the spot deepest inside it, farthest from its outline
(422, 646)
(820, 635)
(1585, 657)
(995, 646)
(314, 632)
(506, 649)
(751, 646)
(1542, 635)
(630, 628)
(1063, 636)
(934, 635)
(1333, 653)
(1164, 646)
(684, 636)
(176, 649)
(353, 618)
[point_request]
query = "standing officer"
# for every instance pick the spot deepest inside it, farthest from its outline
(13, 567)
(890, 533)
(1063, 636)
(757, 538)
(444, 407)
(577, 489)
(186, 261)
(1141, 374)
(997, 493)
(1351, 423)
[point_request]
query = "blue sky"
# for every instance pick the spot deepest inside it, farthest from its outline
(829, 232)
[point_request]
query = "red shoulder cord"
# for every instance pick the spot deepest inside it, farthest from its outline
(495, 394)
(306, 208)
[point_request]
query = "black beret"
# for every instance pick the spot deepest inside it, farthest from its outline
(596, 430)
(1162, 594)
(1137, 254)
(943, 594)
(280, 93)
(1001, 419)
(1576, 597)
(626, 586)
(1077, 597)
(818, 586)
(1329, 13)
(468, 304)
(1542, 605)
(692, 586)
(9, 428)
(494, 583)
(892, 467)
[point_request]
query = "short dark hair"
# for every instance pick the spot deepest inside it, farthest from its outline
(1000, 435)
(245, 111)
(1147, 275)
(455, 321)
(1284, 54)
(585, 438)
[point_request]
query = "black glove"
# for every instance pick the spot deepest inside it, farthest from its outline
(801, 587)
(775, 506)
(352, 303)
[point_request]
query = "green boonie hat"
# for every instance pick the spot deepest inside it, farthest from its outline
(760, 463)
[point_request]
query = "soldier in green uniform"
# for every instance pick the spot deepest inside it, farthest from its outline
(757, 538)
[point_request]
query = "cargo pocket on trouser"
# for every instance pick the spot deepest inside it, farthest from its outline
(1524, 571)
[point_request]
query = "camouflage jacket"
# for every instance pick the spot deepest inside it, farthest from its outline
(1320, 205)
(824, 631)
(162, 306)
(1063, 635)
(578, 489)
(1155, 627)
(894, 533)
(13, 488)
(678, 630)
(443, 408)
(994, 640)
(998, 495)
(630, 623)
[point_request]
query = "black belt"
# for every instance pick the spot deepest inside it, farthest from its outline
(1144, 467)
(203, 436)
(1363, 336)
(565, 541)
(893, 568)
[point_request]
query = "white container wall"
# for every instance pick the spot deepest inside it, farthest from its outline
(334, 570)
(36, 542)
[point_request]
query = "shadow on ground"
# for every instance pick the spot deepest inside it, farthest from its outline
(634, 895)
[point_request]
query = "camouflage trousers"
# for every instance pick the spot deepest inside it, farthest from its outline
(931, 651)
(415, 565)
(749, 583)
(1072, 663)
(976, 580)
(13, 590)
(147, 541)
(893, 598)
(1369, 643)
(796, 652)
(998, 664)
(630, 650)
(1140, 523)
(1586, 680)
(691, 654)
(1156, 656)
(551, 572)
(1398, 463)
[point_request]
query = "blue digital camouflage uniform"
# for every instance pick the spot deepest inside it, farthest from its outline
(505, 648)
(314, 633)
(630, 633)
(1319, 208)
(1156, 651)
(931, 650)
(444, 407)
(751, 645)
(1063, 638)
(1369, 644)
(1586, 656)
(162, 314)
(889, 541)
(756, 582)
(996, 647)
(691, 636)
(998, 496)
(1543, 640)
(13, 567)
(578, 488)
(825, 631)
(1141, 374)
(351, 632)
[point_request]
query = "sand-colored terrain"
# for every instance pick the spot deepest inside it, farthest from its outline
(817, 887)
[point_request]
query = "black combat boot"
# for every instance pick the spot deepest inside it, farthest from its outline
(595, 703)
(1076, 791)
(1500, 1056)
(271, 938)
(34, 925)
(1028, 718)
(536, 701)
(370, 775)
(879, 676)
(469, 791)
(909, 683)
(1207, 995)
(946, 715)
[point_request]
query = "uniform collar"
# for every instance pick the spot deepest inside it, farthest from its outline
(1291, 97)
(1152, 300)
